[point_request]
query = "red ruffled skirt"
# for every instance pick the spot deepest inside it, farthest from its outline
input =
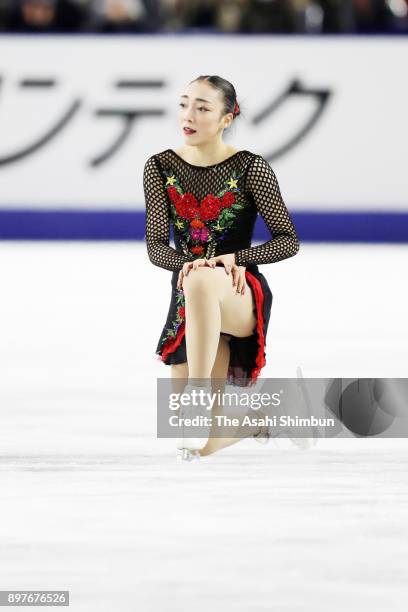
(247, 355)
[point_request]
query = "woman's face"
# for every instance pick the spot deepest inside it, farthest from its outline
(201, 109)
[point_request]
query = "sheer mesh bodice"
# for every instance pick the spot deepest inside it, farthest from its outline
(213, 210)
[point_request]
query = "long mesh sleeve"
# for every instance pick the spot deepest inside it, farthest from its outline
(262, 182)
(157, 220)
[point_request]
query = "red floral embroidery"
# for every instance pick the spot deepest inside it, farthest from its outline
(203, 224)
(196, 223)
(210, 208)
(173, 194)
(197, 250)
(227, 199)
(187, 206)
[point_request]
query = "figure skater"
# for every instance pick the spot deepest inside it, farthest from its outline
(220, 305)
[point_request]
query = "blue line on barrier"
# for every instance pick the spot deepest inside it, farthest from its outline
(311, 225)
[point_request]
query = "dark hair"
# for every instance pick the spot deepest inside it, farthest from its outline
(226, 88)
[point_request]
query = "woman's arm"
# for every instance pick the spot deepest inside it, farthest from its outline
(157, 220)
(263, 184)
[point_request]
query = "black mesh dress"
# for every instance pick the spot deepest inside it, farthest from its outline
(213, 210)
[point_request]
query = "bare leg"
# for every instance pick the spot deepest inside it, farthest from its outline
(179, 375)
(212, 306)
(219, 375)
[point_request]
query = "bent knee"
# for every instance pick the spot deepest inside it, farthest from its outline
(200, 280)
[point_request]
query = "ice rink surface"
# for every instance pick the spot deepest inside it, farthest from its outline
(92, 502)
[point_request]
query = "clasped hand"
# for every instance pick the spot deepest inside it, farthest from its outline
(228, 261)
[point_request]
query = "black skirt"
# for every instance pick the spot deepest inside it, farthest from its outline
(247, 355)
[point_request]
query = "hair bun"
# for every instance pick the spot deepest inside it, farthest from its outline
(236, 110)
